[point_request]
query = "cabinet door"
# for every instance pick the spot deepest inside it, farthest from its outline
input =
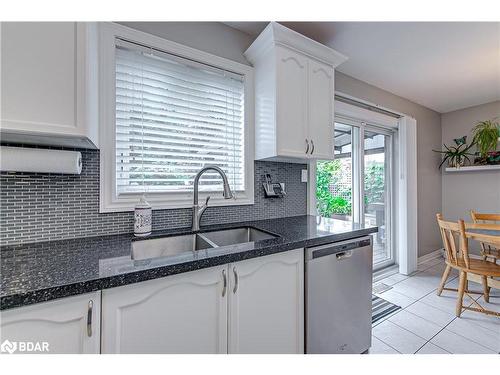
(320, 112)
(184, 313)
(43, 74)
(67, 325)
(266, 304)
(291, 103)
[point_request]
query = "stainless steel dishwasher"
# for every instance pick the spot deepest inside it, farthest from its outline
(338, 297)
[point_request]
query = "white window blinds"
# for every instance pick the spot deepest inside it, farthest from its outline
(174, 116)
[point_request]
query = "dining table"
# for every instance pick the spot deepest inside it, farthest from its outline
(486, 233)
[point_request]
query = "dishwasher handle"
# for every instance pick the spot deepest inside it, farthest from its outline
(344, 255)
(342, 250)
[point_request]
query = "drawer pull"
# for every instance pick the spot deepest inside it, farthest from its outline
(89, 318)
(224, 278)
(235, 289)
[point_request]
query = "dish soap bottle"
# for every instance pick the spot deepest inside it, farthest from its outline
(143, 218)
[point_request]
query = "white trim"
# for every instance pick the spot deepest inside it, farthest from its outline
(371, 104)
(311, 188)
(370, 117)
(473, 168)
(432, 255)
(407, 196)
(109, 202)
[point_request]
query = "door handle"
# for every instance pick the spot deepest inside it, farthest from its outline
(344, 255)
(307, 146)
(224, 278)
(89, 318)
(312, 143)
(235, 289)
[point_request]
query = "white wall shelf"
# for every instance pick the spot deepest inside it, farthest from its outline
(474, 168)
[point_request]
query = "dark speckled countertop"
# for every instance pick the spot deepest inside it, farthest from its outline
(37, 272)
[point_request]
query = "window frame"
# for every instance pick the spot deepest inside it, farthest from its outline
(109, 200)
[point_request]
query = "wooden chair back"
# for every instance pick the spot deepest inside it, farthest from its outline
(485, 218)
(454, 240)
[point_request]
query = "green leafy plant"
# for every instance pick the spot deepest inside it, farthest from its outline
(456, 155)
(374, 183)
(328, 204)
(486, 135)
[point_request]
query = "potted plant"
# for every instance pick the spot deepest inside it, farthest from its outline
(456, 155)
(486, 136)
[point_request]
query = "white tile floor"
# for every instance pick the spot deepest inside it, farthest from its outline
(427, 324)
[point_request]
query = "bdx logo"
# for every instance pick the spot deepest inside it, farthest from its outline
(24, 346)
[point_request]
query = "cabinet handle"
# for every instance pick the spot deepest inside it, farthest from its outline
(312, 143)
(224, 278)
(89, 318)
(307, 146)
(235, 289)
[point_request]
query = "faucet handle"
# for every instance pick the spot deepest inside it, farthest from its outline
(206, 201)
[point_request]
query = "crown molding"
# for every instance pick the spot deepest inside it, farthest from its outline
(276, 34)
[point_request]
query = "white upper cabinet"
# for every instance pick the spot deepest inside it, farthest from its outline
(65, 326)
(49, 83)
(291, 102)
(294, 95)
(320, 109)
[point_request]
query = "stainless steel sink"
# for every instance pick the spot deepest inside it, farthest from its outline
(168, 246)
(237, 236)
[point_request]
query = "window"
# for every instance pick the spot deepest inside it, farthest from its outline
(176, 110)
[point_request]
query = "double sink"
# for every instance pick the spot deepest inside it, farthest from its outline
(174, 245)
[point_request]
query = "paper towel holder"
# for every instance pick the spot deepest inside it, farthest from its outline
(40, 160)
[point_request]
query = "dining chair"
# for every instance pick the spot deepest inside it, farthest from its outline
(456, 248)
(487, 250)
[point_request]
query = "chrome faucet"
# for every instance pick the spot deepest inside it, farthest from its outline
(197, 210)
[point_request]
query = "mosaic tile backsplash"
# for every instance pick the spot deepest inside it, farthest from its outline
(43, 207)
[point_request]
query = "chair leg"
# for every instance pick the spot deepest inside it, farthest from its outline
(445, 276)
(486, 289)
(461, 291)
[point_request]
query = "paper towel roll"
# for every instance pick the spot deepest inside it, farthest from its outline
(20, 159)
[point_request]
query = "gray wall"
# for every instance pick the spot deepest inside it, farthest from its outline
(227, 42)
(428, 138)
(463, 191)
(212, 37)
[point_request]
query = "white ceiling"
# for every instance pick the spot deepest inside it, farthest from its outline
(441, 65)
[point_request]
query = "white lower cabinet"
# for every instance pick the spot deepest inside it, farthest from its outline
(67, 325)
(252, 306)
(266, 304)
(185, 313)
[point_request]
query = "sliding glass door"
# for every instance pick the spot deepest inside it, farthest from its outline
(357, 185)
(377, 192)
(334, 179)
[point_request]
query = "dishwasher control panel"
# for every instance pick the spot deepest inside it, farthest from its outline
(344, 247)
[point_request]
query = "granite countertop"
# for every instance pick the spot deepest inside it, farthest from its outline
(37, 272)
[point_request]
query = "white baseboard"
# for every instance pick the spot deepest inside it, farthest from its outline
(439, 253)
